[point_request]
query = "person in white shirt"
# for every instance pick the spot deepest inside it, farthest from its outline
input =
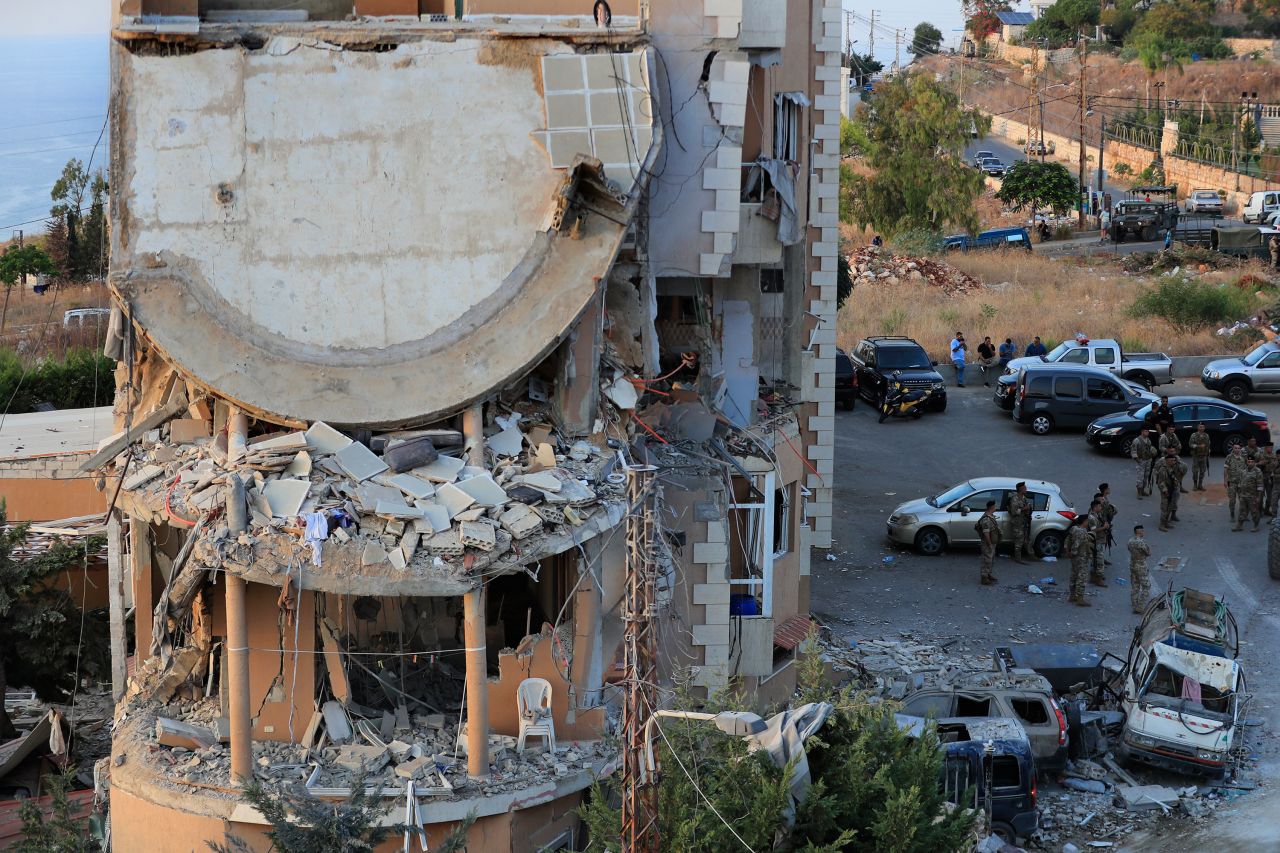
(958, 347)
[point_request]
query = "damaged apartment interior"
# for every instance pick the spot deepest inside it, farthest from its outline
(386, 373)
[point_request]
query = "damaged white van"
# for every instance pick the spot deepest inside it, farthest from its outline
(1183, 687)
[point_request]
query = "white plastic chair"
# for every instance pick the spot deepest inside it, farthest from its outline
(533, 702)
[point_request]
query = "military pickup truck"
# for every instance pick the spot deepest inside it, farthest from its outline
(1145, 215)
(1148, 369)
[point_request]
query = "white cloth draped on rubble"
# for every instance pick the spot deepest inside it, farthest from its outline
(317, 530)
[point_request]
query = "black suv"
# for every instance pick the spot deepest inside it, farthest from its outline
(876, 359)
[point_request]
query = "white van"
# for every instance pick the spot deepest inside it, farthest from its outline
(1261, 205)
(78, 317)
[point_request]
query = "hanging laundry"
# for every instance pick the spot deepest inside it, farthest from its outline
(317, 530)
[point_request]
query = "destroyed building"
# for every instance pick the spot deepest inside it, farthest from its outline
(402, 293)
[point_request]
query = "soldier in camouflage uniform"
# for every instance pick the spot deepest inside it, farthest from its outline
(1143, 453)
(1252, 450)
(1139, 575)
(1098, 529)
(1079, 548)
(1169, 441)
(1199, 442)
(1169, 474)
(1232, 468)
(989, 537)
(1268, 463)
(1020, 507)
(1109, 513)
(1249, 493)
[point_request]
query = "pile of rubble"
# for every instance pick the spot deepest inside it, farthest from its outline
(403, 503)
(873, 265)
(190, 748)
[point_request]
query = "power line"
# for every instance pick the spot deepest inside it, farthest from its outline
(54, 121)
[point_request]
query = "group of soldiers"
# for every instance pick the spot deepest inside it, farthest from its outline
(1249, 474)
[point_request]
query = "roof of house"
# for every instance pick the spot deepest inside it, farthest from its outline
(1016, 19)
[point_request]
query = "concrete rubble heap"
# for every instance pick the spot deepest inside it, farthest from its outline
(875, 266)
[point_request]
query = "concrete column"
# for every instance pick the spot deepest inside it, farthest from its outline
(473, 432)
(477, 685)
(237, 434)
(238, 680)
(115, 600)
(143, 593)
(586, 633)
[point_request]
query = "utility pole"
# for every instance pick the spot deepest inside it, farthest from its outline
(640, 653)
(1081, 187)
(1035, 97)
(1102, 147)
(871, 38)
(897, 50)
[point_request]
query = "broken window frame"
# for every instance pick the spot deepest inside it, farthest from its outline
(781, 527)
(786, 128)
(759, 521)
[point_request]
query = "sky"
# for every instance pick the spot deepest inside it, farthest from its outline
(54, 17)
(904, 15)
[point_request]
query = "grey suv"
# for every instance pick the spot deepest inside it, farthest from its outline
(1258, 371)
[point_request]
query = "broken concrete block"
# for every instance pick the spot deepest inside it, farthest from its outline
(453, 499)
(509, 442)
(335, 721)
(543, 481)
(409, 544)
(435, 515)
(373, 554)
(355, 756)
(285, 497)
(397, 558)
(174, 733)
(445, 544)
(520, 521)
(359, 462)
(549, 514)
(141, 478)
(475, 534)
(326, 439)
(622, 393)
(288, 441)
(397, 509)
(483, 490)
(341, 535)
(300, 466)
(474, 513)
(221, 728)
(395, 527)
(414, 487)
(399, 749)
(187, 430)
(444, 470)
(544, 458)
(414, 767)
(1146, 797)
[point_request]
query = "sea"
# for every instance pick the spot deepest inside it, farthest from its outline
(53, 105)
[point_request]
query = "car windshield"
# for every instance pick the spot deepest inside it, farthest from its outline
(1058, 351)
(1256, 354)
(902, 358)
(1207, 194)
(1141, 414)
(952, 494)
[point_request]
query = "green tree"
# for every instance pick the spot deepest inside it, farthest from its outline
(1034, 184)
(16, 264)
(55, 828)
(68, 190)
(40, 626)
(1264, 16)
(926, 39)
(1119, 19)
(916, 131)
(861, 67)
(91, 245)
(1064, 20)
(980, 16)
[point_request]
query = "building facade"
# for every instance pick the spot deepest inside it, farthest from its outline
(402, 293)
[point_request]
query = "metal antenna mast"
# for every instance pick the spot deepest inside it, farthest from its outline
(640, 653)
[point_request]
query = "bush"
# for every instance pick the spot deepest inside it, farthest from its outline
(1189, 305)
(83, 379)
(1121, 169)
(916, 242)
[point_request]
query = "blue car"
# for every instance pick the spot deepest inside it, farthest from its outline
(997, 238)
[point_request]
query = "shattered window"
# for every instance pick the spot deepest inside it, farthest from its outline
(973, 706)
(1031, 711)
(1005, 772)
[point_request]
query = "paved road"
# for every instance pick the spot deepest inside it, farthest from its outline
(881, 465)
(1010, 154)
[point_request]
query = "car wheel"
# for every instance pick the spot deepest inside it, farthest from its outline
(1273, 550)
(1126, 445)
(931, 541)
(1149, 233)
(1049, 543)
(1233, 440)
(917, 413)
(1146, 380)
(1042, 424)
(1004, 832)
(1237, 392)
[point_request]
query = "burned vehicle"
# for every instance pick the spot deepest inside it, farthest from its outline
(1182, 687)
(1145, 215)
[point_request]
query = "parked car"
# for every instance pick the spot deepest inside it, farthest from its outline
(876, 359)
(979, 156)
(967, 759)
(1022, 695)
(1226, 423)
(1036, 148)
(78, 317)
(1260, 205)
(974, 747)
(932, 524)
(1204, 201)
(1053, 397)
(1256, 372)
(993, 167)
(1007, 385)
(1146, 368)
(846, 380)
(996, 238)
